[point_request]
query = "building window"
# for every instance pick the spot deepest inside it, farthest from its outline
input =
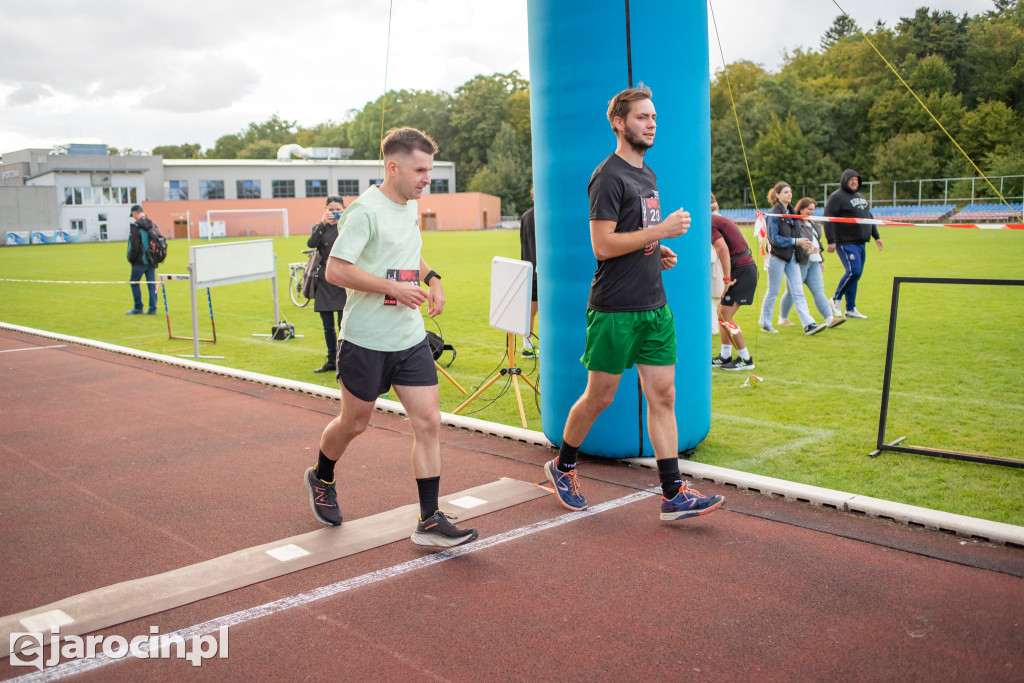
(248, 189)
(376, 181)
(103, 226)
(282, 188)
(175, 190)
(348, 188)
(316, 188)
(211, 189)
(77, 225)
(439, 186)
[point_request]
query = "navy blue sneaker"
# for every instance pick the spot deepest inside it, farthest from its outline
(567, 486)
(323, 499)
(688, 503)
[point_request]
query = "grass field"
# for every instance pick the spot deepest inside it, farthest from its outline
(958, 377)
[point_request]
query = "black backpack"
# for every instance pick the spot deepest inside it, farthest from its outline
(157, 250)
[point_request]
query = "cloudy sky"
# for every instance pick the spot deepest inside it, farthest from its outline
(140, 74)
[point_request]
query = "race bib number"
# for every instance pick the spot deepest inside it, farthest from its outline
(398, 275)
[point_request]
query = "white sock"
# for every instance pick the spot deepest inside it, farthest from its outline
(744, 354)
(726, 351)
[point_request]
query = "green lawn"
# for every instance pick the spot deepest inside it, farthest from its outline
(957, 383)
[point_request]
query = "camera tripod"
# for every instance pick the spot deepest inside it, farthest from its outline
(512, 370)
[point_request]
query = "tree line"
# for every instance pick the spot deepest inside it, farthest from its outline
(826, 109)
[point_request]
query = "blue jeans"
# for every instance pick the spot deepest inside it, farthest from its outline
(852, 257)
(815, 281)
(790, 271)
(138, 270)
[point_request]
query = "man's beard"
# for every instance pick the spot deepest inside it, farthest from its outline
(638, 144)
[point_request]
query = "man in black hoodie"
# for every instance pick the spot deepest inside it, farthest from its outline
(848, 240)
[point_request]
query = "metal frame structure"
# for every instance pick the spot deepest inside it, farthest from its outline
(894, 446)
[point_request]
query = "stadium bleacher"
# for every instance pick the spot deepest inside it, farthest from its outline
(912, 213)
(996, 213)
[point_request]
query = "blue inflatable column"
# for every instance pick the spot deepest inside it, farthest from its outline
(581, 54)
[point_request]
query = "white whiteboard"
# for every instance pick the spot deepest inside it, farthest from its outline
(225, 264)
(511, 292)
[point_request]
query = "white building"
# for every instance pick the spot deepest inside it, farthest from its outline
(93, 190)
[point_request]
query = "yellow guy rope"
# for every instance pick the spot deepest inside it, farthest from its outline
(919, 101)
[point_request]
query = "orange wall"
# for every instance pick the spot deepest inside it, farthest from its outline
(459, 211)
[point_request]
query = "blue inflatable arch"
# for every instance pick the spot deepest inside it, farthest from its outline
(581, 54)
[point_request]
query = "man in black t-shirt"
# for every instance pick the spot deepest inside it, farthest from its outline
(628, 318)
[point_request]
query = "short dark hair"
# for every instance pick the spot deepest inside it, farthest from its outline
(621, 104)
(135, 207)
(406, 140)
(335, 198)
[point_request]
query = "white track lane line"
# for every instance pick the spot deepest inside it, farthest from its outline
(79, 666)
(34, 348)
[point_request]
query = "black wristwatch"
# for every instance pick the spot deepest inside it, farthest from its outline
(430, 274)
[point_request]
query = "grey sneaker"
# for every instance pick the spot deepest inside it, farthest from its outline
(854, 313)
(323, 499)
(814, 328)
(437, 531)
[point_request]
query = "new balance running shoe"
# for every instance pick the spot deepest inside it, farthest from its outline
(688, 503)
(567, 486)
(439, 532)
(323, 499)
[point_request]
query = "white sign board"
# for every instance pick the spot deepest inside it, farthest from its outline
(511, 292)
(225, 264)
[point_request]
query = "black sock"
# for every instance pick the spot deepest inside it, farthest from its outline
(671, 481)
(428, 490)
(567, 457)
(324, 468)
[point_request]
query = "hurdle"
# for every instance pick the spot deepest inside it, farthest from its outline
(167, 310)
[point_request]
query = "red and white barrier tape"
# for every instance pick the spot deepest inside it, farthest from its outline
(876, 221)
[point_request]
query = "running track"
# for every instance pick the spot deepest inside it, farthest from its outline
(117, 468)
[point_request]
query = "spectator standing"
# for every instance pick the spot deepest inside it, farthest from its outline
(138, 244)
(847, 240)
(812, 273)
(788, 250)
(329, 299)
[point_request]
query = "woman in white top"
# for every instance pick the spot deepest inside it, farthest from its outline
(812, 273)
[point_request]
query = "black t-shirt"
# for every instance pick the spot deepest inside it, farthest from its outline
(627, 195)
(528, 239)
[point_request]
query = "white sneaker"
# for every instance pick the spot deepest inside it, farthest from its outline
(837, 307)
(856, 314)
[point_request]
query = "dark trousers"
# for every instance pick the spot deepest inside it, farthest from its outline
(331, 333)
(138, 270)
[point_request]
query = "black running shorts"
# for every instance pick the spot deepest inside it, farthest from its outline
(742, 290)
(367, 373)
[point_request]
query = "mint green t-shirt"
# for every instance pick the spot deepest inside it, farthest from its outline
(382, 238)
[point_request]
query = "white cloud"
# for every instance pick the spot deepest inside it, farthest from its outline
(141, 74)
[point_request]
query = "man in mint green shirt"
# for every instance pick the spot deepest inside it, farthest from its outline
(376, 258)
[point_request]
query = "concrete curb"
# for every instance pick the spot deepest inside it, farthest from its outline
(962, 525)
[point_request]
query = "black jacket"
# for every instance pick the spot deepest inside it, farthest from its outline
(788, 227)
(843, 203)
(328, 297)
